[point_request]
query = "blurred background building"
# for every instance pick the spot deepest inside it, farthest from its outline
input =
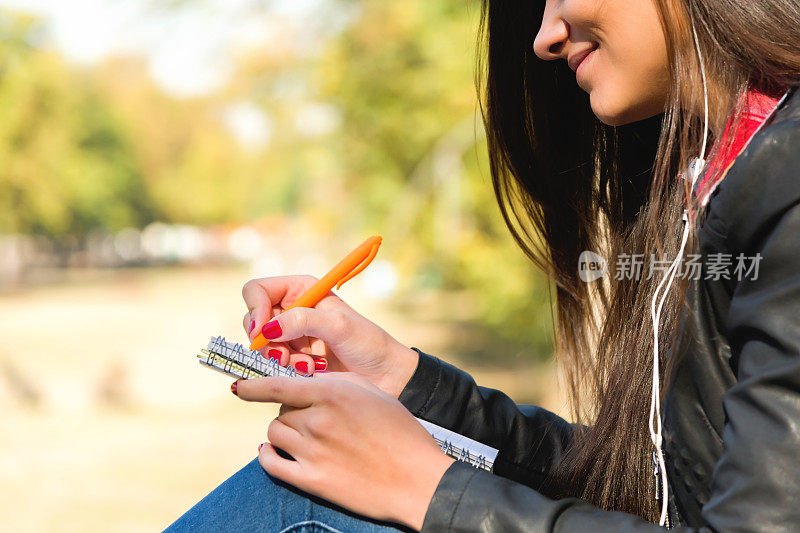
(157, 154)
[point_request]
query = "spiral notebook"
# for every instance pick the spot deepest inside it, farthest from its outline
(236, 361)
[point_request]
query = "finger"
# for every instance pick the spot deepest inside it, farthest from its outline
(352, 377)
(274, 311)
(284, 409)
(305, 364)
(285, 437)
(287, 357)
(318, 347)
(279, 389)
(258, 306)
(310, 424)
(276, 350)
(253, 318)
(262, 294)
(275, 465)
(304, 345)
(326, 362)
(249, 324)
(332, 327)
(311, 346)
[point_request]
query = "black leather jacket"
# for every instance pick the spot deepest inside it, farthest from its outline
(731, 416)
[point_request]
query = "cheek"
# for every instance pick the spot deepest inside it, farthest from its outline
(630, 76)
(608, 92)
(628, 89)
(627, 84)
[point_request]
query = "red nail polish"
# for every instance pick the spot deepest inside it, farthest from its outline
(274, 354)
(301, 366)
(252, 325)
(260, 446)
(234, 388)
(320, 364)
(271, 330)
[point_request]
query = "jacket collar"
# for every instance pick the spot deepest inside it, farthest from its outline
(757, 108)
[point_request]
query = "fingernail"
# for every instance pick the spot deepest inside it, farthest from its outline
(261, 446)
(235, 387)
(274, 354)
(320, 371)
(320, 364)
(252, 325)
(271, 330)
(301, 366)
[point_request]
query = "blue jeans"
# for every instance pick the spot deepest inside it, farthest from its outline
(252, 500)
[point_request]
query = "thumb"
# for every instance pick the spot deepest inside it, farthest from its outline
(329, 326)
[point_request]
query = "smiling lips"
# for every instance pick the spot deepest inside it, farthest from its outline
(575, 60)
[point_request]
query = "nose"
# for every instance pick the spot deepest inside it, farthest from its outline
(553, 33)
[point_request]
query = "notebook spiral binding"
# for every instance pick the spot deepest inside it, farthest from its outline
(233, 359)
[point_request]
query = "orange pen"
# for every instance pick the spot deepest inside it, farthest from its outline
(346, 269)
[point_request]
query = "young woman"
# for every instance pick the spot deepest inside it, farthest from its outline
(594, 111)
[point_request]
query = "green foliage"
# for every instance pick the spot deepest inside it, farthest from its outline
(105, 148)
(67, 165)
(404, 76)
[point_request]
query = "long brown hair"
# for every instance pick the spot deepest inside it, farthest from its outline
(566, 183)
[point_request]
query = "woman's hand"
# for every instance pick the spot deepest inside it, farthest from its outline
(330, 336)
(352, 444)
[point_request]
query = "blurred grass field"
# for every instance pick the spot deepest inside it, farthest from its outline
(108, 422)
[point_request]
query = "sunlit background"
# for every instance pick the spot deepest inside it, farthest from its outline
(156, 155)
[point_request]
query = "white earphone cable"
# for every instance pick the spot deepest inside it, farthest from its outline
(655, 400)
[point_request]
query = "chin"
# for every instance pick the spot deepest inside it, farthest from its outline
(612, 113)
(612, 120)
(617, 111)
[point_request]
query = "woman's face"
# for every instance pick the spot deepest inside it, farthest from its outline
(618, 50)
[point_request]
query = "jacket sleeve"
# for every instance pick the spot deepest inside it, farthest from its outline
(530, 440)
(755, 485)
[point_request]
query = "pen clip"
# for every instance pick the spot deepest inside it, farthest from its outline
(361, 266)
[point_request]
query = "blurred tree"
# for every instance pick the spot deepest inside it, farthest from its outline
(67, 165)
(403, 75)
(191, 166)
(375, 128)
(403, 151)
